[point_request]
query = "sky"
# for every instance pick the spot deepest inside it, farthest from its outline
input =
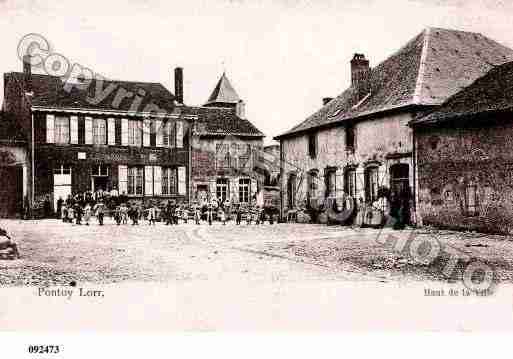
(281, 56)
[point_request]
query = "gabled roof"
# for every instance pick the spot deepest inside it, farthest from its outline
(49, 92)
(223, 93)
(216, 121)
(490, 93)
(430, 68)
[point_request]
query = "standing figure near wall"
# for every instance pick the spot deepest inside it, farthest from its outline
(100, 211)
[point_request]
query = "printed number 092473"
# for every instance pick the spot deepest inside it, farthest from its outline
(43, 349)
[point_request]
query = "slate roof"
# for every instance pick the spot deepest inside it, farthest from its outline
(223, 93)
(49, 92)
(491, 93)
(215, 121)
(430, 68)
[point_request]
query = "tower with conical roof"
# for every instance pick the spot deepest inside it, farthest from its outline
(224, 95)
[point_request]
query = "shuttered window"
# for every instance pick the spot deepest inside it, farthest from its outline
(111, 131)
(148, 180)
(50, 127)
(73, 125)
(124, 132)
(134, 133)
(99, 131)
(159, 135)
(135, 180)
(61, 130)
(123, 179)
(157, 180)
(146, 132)
(169, 180)
(182, 190)
(88, 125)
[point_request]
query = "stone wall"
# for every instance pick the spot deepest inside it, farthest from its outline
(465, 177)
(380, 142)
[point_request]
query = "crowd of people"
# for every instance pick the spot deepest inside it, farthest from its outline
(80, 210)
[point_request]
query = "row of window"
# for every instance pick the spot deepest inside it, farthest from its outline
(223, 189)
(371, 183)
(350, 133)
(152, 180)
(101, 131)
(135, 180)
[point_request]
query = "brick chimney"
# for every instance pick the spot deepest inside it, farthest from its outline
(179, 85)
(325, 100)
(27, 73)
(360, 71)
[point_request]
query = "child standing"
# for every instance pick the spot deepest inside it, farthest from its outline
(64, 213)
(70, 214)
(100, 211)
(151, 215)
(185, 214)
(209, 214)
(223, 216)
(238, 216)
(124, 213)
(197, 214)
(87, 213)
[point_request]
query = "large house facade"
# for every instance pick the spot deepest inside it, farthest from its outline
(225, 149)
(465, 157)
(360, 141)
(133, 140)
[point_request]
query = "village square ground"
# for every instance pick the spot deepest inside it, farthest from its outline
(282, 276)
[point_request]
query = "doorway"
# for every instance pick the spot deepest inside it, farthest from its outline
(100, 183)
(61, 184)
(399, 179)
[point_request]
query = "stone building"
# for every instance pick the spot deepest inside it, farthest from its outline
(360, 140)
(98, 135)
(13, 167)
(225, 148)
(465, 157)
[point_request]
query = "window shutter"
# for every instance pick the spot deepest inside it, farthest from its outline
(146, 133)
(148, 180)
(88, 130)
(158, 129)
(73, 127)
(111, 131)
(179, 134)
(124, 132)
(181, 181)
(157, 181)
(50, 128)
(123, 179)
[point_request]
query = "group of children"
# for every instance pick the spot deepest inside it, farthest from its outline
(171, 214)
(76, 213)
